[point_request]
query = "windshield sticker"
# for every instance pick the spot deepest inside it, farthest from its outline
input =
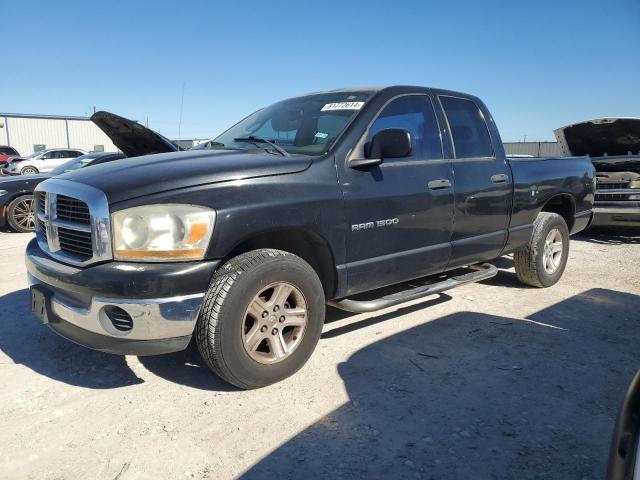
(322, 135)
(342, 106)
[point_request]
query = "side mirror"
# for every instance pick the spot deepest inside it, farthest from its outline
(387, 143)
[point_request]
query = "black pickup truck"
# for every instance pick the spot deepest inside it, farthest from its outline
(313, 200)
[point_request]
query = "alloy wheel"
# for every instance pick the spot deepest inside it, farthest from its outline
(23, 214)
(274, 323)
(552, 253)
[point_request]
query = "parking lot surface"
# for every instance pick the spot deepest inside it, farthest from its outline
(492, 380)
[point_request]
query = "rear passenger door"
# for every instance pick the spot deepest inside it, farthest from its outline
(482, 183)
(399, 227)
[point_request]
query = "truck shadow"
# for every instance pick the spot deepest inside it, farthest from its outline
(515, 398)
(27, 342)
(609, 236)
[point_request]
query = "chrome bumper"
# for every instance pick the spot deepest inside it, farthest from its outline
(152, 319)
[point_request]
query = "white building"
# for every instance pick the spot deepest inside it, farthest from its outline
(29, 133)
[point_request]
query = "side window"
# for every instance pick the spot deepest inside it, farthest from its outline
(468, 128)
(49, 155)
(415, 114)
(72, 154)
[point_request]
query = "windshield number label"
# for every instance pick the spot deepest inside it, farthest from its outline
(342, 106)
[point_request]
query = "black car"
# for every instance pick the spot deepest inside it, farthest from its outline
(16, 194)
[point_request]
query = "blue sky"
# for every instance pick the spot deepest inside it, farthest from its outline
(537, 64)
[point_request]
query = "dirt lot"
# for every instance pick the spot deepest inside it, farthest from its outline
(493, 380)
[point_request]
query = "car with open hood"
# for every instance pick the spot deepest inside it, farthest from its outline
(613, 144)
(7, 153)
(16, 193)
(131, 138)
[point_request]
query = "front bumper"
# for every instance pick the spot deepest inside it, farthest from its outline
(617, 216)
(161, 301)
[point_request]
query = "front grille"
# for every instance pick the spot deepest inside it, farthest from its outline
(600, 185)
(75, 242)
(611, 197)
(73, 222)
(42, 199)
(72, 210)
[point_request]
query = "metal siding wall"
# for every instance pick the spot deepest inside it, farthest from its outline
(550, 149)
(3, 131)
(537, 149)
(24, 133)
(85, 134)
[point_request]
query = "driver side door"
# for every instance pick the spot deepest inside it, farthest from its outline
(399, 213)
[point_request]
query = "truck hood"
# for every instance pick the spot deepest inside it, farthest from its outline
(600, 137)
(130, 137)
(136, 177)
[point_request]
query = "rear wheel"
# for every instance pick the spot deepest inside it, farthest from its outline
(261, 318)
(29, 171)
(542, 262)
(21, 215)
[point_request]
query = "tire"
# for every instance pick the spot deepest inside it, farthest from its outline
(20, 214)
(29, 171)
(533, 263)
(226, 323)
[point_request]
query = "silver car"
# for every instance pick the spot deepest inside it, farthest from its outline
(41, 162)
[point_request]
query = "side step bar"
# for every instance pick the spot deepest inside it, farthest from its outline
(483, 271)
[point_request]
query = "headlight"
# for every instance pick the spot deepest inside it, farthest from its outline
(160, 233)
(634, 184)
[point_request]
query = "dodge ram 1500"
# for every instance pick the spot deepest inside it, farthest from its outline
(311, 201)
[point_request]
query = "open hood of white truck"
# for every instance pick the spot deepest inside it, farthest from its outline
(601, 137)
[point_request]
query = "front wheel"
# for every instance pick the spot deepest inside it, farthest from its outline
(542, 262)
(261, 318)
(29, 171)
(21, 215)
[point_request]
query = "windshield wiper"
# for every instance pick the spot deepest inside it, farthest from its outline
(255, 139)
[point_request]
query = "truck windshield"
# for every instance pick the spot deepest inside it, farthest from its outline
(305, 125)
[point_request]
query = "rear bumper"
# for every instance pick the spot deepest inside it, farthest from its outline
(616, 216)
(158, 302)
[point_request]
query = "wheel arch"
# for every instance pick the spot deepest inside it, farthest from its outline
(563, 204)
(306, 244)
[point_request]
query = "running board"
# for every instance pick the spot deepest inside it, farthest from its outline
(483, 271)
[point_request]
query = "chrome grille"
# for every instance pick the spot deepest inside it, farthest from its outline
(611, 197)
(75, 242)
(610, 185)
(72, 210)
(73, 222)
(41, 201)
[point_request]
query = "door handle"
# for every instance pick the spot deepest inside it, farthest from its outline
(439, 184)
(499, 178)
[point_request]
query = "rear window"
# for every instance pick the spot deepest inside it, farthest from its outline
(7, 151)
(468, 128)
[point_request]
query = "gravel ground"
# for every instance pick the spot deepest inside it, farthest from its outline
(493, 380)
